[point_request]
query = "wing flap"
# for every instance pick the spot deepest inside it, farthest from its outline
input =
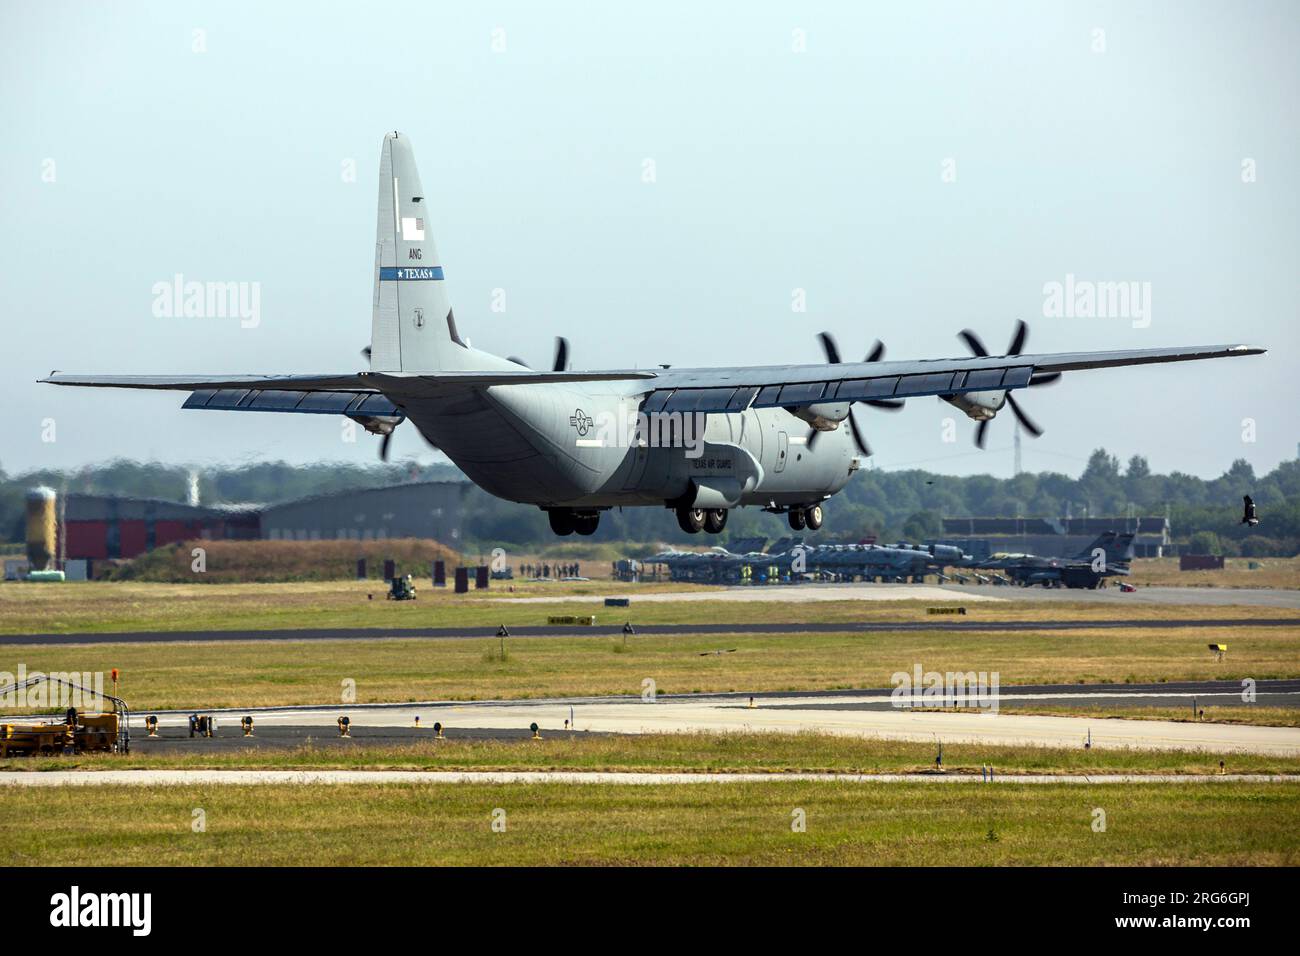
(279, 400)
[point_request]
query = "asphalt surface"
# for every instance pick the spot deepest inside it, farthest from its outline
(937, 623)
(229, 737)
(871, 713)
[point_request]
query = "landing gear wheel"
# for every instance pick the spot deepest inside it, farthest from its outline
(812, 517)
(691, 520)
(796, 518)
(586, 524)
(561, 521)
(715, 519)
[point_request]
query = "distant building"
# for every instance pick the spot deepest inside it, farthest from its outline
(981, 537)
(430, 509)
(98, 527)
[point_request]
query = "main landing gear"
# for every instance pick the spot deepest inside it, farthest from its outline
(565, 521)
(810, 517)
(695, 520)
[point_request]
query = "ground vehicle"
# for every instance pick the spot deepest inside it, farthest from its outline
(401, 589)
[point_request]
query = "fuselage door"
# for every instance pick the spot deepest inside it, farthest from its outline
(782, 449)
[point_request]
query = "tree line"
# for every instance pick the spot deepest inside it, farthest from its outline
(891, 505)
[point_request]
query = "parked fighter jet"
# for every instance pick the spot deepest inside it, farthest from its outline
(1109, 555)
(835, 562)
(700, 441)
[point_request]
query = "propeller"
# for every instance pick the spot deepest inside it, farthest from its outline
(560, 363)
(832, 351)
(1018, 339)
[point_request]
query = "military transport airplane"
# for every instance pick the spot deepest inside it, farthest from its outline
(697, 440)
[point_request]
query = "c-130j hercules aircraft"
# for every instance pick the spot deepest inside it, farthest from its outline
(700, 441)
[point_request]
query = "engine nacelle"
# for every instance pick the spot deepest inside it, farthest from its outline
(978, 406)
(823, 416)
(947, 553)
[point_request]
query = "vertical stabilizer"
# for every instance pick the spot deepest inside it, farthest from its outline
(412, 327)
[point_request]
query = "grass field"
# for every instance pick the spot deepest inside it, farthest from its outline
(653, 753)
(1236, 573)
(253, 674)
(698, 824)
(130, 606)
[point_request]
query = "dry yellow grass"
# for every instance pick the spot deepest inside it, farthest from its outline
(248, 674)
(701, 824)
(132, 606)
(1236, 573)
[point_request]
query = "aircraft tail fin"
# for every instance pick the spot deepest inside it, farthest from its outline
(412, 327)
(1118, 547)
(1104, 541)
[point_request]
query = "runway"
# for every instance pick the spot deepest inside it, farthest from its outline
(615, 628)
(152, 778)
(865, 713)
(809, 593)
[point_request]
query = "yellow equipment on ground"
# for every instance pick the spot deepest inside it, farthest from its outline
(76, 733)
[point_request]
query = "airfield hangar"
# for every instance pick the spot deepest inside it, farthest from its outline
(981, 537)
(99, 527)
(430, 509)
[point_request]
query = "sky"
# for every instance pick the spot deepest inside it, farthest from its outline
(686, 183)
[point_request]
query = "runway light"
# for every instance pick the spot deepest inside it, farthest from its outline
(344, 724)
(151, 724)
(752, 705)
(417, 721)
(537, 734)
(437, 730)
(247, 724)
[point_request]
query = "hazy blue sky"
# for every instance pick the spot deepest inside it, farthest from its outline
(775, 170)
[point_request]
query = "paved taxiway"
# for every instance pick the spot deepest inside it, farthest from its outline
(867, 714)
(806, 593)
(615, 627)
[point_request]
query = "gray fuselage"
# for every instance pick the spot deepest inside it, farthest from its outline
(561, 445)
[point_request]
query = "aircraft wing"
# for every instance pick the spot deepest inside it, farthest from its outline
(396, 382)
(685, 390)
(360, 395)
(734, 389)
